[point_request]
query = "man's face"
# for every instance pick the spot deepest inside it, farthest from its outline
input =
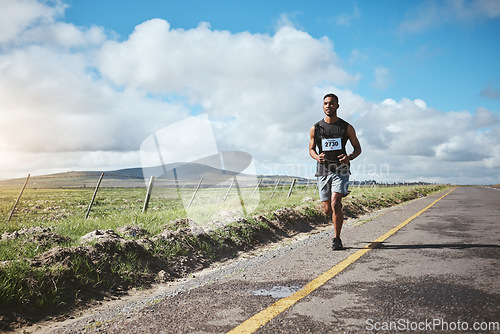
(330, 106)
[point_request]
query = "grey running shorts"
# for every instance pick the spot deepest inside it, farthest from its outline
(333, 183)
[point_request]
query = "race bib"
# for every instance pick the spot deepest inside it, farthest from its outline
(331, 144)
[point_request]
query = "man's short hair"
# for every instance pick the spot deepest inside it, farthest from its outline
(332, 96)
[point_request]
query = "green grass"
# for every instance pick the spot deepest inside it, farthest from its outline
(63, 210)
(21, 285)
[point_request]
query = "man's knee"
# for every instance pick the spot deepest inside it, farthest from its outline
(337, 201)
(327, 207)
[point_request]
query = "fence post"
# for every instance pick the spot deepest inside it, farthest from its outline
(307, 185)
(257, 187)
(275, 188)
(227, 193)
(93, 197)
(18, 198)
(238, 190)
(197, 187)
(291, 188)
(148, 194)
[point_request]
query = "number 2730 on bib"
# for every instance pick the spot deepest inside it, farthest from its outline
(331, 144)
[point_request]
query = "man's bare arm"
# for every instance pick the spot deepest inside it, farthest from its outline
(351, 134)
(312, 148)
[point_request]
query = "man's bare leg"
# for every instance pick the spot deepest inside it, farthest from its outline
(333, 207)
(338, 213)
(327, 207)
(338, 220)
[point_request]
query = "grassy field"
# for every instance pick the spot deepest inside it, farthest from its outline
(46, 269)
(65, 209)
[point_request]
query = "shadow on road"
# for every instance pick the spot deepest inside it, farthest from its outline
(382, 245)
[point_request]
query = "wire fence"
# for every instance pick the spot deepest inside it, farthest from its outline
(59, 196)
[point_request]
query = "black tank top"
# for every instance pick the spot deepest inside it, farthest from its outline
(331, 139)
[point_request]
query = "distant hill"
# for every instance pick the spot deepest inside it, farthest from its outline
(188, 175)
(183, 174)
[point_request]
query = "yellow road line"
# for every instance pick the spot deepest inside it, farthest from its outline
(260, 319)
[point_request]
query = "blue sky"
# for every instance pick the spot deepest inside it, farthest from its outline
(84, 83)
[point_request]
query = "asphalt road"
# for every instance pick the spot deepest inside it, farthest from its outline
(439, 272)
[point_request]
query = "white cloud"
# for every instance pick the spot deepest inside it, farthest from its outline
(64, 35)
(287, 20)
(346, 19)
(20, 164)
(251, 80)
(357, 56)
(196, 61)
(58, 99)
(430, 14)
(383, 77)
(490, 90)
(51, 102)
(408, 141)
(18, 15)
(71, 98)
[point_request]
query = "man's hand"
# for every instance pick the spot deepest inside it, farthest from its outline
(321, 158)
(344, 159)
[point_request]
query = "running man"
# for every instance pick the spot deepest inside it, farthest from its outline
(327, 145)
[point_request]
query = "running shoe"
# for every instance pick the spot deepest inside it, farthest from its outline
(337, 244)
